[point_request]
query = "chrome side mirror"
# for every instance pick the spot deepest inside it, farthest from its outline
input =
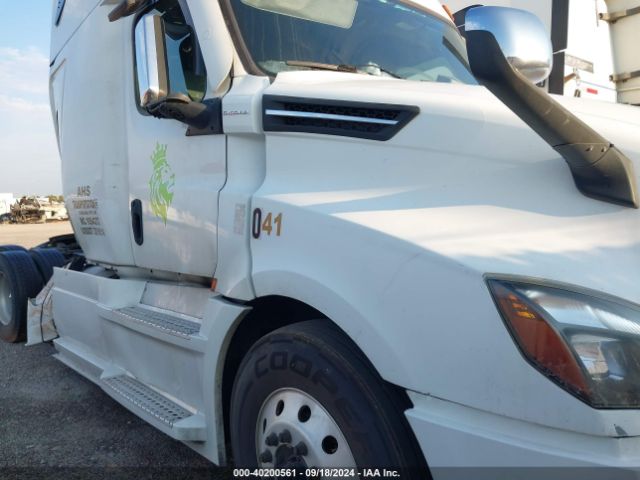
(522, 37)
(154, 80)
(151, 63)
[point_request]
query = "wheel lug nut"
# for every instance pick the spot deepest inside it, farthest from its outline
(266, 457)
(285, 436)
(301, 449)
(272, 440)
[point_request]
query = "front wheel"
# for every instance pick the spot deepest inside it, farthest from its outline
(305, 397)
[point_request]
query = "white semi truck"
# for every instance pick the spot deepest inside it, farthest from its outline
(342, 234)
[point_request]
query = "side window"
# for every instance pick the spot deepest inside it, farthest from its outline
(186, 71)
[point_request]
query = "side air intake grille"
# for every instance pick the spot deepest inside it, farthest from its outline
(332, 117)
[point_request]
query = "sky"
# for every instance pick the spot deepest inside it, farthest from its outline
(29, 159)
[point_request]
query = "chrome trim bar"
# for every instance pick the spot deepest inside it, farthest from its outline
(329, 116)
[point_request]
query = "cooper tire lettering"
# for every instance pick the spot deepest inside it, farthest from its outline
(261, 372)
(301, 366)
(279, 360)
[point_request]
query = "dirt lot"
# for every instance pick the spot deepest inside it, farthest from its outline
(55, 425)
(31, 235)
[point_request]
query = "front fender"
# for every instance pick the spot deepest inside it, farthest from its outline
(427, 323)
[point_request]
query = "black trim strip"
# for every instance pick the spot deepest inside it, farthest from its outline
(238, 41)
(371, 121)
(559, 41)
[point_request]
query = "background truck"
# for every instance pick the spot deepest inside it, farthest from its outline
(32, 209)
(594, 44)
(341, 234)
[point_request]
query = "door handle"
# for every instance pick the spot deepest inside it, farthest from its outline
(136, 221)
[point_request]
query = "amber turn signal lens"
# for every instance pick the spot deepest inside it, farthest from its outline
(538, 340)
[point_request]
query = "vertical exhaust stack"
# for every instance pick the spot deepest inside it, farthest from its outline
(495, 39)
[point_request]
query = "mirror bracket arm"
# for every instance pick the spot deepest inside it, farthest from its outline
(599, 169)
(203, 118)
(214, 124)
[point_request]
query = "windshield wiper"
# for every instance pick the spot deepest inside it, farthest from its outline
(322, 66)
(377, 69)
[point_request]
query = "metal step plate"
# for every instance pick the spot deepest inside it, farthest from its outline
(147, 399)
(167, 322)
(157, 409)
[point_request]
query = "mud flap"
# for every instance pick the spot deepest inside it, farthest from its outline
(40, 325)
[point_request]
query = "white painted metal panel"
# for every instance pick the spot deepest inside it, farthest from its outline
(452, 436)
(74, 13)
(192, 169)
(99, 343)
(186, 242)
(392, 239)
(86, 91)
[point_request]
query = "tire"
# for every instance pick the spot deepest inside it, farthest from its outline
(45, 260)
(11, 248)
(315, 365)
(19, 281)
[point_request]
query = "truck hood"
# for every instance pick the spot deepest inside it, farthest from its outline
(468, 181)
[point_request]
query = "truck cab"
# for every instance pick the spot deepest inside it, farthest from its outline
(346, 234)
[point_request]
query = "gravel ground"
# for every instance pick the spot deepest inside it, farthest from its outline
(55, 424)
(31, 235)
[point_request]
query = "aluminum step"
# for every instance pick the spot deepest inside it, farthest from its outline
(156, 408)
(164, 325)
(172, 324)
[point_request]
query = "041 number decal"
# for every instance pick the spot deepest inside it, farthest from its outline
(269, 224)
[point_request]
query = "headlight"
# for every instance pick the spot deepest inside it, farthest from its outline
(587, 344)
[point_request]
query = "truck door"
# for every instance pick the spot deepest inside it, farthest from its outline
(175, 174)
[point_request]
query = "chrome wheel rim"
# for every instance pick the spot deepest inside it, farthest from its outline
(6, 300)
(294, 430)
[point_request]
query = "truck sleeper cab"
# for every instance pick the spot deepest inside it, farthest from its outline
(312, 238)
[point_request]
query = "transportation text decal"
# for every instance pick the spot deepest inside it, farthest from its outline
(86, 208)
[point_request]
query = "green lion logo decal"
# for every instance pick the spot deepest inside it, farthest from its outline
(161, 183)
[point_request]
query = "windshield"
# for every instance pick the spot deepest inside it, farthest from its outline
(379, 37)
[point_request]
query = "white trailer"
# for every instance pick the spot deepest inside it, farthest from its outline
(595, 45)
(331, 236)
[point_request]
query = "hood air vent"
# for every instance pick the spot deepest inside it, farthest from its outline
(373, 121)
